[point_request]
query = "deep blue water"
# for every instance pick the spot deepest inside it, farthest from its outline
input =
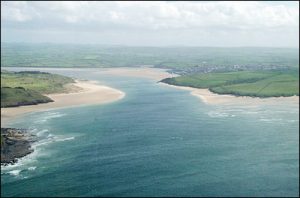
(158, 141)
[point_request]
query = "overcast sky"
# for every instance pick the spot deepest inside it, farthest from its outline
(226, 24)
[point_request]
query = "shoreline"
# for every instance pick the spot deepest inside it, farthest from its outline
(15, 144)
(84, 93)
(138, 72)
(88, 92)
(212, 98)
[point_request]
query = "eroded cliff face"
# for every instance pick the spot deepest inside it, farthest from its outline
(15, 143)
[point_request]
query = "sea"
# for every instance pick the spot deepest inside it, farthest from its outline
(156, 141)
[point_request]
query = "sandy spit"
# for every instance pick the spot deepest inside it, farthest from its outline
(211, 98)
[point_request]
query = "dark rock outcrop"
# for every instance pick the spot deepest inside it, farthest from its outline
(15, 143)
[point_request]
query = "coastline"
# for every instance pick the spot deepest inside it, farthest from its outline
(15, 144)
(138, 72)
(211, 98)
(88, 92)
(82, 93)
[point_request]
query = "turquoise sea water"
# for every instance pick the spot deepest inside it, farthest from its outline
(158, 141)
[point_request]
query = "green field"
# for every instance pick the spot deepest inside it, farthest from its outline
(27, 88)
(183, 59)
(243, 83)
(42, 82)
(13, 97)
(248, 71)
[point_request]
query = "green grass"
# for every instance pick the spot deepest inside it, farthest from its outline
(243, 83)
(13, 97)
(55, 55)
(44, 83)
(27, 88)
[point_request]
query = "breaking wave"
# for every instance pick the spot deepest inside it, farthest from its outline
(48, 116)
(28, 162)
(217, 114)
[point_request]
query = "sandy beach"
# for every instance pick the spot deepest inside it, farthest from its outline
(142, 72)
(205, 95)
(87, 93)
(211, 98)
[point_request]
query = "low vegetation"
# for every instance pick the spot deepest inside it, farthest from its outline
(42, 82)
(179, 59)
(27, 88)
(13, 97)
(243, 83)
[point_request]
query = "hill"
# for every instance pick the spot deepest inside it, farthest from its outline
(27, 88)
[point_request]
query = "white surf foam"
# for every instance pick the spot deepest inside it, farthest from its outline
(27, 162)
(270, 119)
(48, 116)
(64, 139)
(250, 112)
(22, 163)
(42, 132)
(176, 138)
(216, 114)
(32, 168)
(14, 172)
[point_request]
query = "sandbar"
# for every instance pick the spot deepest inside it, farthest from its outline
(139, 72)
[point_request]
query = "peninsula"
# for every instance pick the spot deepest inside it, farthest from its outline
(262, 84)
(56, 91)
(15, 143)
(24, 92)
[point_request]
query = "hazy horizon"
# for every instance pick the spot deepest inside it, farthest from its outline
(153, 24)
(141, 46)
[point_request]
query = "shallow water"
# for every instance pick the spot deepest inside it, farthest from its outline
(158, 141)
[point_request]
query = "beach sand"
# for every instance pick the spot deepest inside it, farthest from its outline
(91, 93)
(205, 95)
(85, 93)
(142, 72)
(211, 98)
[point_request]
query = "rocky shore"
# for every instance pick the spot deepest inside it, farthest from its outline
(15, 143)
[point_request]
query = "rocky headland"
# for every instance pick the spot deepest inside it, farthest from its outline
(15, 143)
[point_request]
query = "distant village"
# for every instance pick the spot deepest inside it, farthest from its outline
(212, 68)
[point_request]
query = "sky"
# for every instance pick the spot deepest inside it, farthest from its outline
(153, 23)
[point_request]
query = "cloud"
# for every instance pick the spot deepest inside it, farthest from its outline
(14, 11)
(154, 15)
(198, 18)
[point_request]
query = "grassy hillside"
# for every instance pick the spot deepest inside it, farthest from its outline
(243, 83)
(182, 59)
(27, 88)
(13, 97)
(42, 82)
